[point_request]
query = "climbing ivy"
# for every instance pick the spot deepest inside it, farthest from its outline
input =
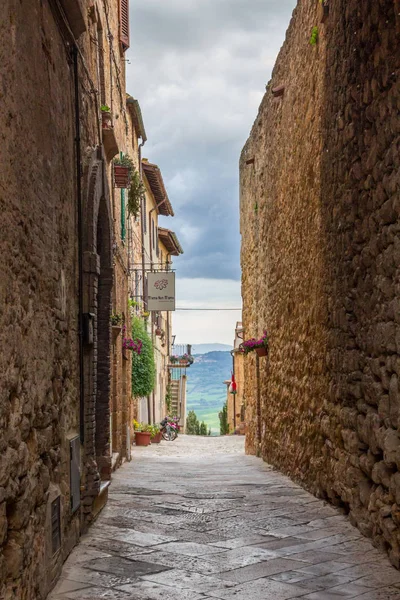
(143, 364)
(314, 36)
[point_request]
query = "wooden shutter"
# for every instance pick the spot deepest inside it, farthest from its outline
(124, 24)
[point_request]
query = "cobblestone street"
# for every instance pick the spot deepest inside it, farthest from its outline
(198, 519)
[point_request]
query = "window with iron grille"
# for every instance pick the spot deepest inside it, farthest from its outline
(55, 525)
(124, 24)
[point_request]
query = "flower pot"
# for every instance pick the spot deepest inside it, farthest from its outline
(116, 330)
(142, 438)
(157, 438)
(106, 120)
(262, 351)
(159, 332)
(121, 176)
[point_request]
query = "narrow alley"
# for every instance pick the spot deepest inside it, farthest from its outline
(198, 519)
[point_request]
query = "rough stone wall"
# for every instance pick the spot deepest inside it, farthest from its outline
(320, 258)
(39, 388)
(39, 361)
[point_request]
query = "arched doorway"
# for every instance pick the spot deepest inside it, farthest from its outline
(103, 339)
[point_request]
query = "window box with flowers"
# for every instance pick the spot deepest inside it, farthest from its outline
(116, 324)
(259, 346)
(123, 170)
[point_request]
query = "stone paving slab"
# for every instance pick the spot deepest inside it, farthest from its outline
(196, 519)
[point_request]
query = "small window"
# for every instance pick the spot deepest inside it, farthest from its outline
(144, 216)
(55, 525)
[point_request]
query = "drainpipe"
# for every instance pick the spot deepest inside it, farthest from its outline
(80, 248)
(143, 216)
(234, 395)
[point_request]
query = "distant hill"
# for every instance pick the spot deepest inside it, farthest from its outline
(205, 348)
(206, 392)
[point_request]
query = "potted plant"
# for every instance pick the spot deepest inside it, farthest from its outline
(142, 433)
(123, 169)
(106, 119)
(173, 359)
(116, 322)
(156, 434)
(116, 319)
(189, 358)
(260, 346)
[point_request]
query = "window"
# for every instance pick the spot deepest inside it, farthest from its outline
(144, 215)
(55, 525)
(124, 24)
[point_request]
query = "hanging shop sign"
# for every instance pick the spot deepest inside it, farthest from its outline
(161, 291)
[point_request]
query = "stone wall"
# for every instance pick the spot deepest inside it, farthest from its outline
(320, 258)
(40, 383)
(39, 368)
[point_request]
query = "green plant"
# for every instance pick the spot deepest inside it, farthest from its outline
(105, 108)
(116, 319)
(203, 428)
(154, 430)
(135, 193)
(133, 303)
(223, 420)
(142, 427)
(256, 207)
(168, 398)
(251, 344)
(125, 161)
(314, 36)
(192, 423)
(143, 364)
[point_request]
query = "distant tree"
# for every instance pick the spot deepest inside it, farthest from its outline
(192, 423)
(203, 428)
(209, 431)
(223, 420)
(198, 427)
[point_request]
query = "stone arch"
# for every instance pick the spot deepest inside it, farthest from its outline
(97, 290)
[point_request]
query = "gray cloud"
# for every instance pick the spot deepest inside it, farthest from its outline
(199, 69)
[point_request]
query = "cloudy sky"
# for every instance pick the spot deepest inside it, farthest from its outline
(199, 70)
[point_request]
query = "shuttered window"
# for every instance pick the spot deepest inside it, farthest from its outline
(124, 24)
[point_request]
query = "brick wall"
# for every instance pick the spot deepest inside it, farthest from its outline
(320, 256)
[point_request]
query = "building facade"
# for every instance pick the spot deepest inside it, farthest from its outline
(320, 238)
(65, 386)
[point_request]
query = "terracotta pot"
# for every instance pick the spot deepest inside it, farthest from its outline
(157, 438)
(158, 332)
(142, 438)
(121, 176)
(116, 330)
(106, 120)
(263, 351)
